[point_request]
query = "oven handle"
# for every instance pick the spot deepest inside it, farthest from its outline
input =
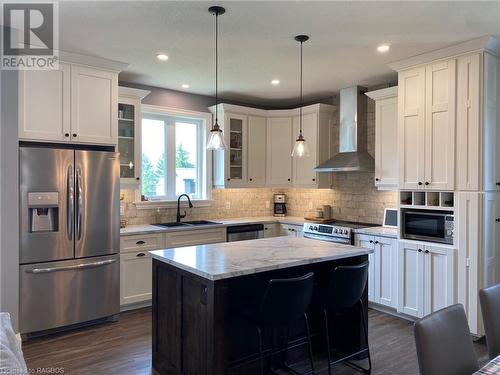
(328, 238)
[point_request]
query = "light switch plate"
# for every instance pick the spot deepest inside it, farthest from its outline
(268, 204)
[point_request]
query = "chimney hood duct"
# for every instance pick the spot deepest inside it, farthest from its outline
(352, 154)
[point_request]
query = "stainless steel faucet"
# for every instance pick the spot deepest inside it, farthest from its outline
(179, 216)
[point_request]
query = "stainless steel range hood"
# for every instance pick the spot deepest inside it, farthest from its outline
(352, 154)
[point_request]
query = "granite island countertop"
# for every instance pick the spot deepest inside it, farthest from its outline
(233, 259)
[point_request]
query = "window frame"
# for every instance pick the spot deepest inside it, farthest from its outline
(203, 159)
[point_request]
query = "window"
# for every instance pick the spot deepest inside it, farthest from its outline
(174, 159)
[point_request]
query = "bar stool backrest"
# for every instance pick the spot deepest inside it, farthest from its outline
(490, 307)
(346, 287)
(286, 300)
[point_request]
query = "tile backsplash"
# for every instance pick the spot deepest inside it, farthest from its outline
(352, 197)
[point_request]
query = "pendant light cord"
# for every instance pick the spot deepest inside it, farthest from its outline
(300, 110)
(216, 68)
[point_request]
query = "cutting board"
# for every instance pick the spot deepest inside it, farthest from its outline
(320, 221)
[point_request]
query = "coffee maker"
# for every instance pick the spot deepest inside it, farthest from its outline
(279, 205)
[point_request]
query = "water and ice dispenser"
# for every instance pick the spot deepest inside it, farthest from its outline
(43, 211)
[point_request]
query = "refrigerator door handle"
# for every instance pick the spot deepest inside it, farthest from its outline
(79, 205)
(70, 209)
(75, 267)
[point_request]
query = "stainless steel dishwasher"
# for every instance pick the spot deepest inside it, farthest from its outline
(244, 232)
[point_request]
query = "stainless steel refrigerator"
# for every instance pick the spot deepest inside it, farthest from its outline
(70, 236)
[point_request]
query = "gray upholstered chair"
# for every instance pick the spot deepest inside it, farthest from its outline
(490, 307)
(444, 345)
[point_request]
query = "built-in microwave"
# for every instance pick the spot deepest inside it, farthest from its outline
(427, 225)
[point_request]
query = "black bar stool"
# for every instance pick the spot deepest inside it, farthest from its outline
(285, 301)
(343, 292)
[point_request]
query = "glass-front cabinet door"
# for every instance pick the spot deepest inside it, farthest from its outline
(236, 135)
(128, 129)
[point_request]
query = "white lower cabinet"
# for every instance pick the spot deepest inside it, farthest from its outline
(272, 230)
(135, 277)
(382, 269)
(291, 230)
(195, 237)
(135, 266)
(426, 278)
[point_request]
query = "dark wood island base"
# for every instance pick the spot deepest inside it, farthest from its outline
(197, 329)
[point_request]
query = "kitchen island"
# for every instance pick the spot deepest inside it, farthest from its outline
(196, 291)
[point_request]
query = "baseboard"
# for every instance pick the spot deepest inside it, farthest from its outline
(390, 311)
(134, 306)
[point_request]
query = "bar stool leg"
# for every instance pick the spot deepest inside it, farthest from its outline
(309, 342)
(261, 356)
(327, 342)
(365, 330)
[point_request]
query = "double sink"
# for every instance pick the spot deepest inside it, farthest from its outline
(193, 223)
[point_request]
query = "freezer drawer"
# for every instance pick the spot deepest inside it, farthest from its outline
(57, 294)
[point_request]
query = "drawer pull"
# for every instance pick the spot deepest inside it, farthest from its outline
(140, 255)
(141, 242)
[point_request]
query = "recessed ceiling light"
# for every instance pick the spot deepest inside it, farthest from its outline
(275, 82)
(185, 86)
(162, 57)
(383, 48)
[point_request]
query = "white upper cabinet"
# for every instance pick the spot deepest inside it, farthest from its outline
(386, 137)
(261, 142)
(44, 104)
(257, 133)
(411, 132)
(468, 123)
(279, 149)
(73, 104)
(427, 126)
(440, 99)
(94, 102)
(491, 103)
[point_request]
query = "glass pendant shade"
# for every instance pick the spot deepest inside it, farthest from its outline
(216, 141)
(300, 149)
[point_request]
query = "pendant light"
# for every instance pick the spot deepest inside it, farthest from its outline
(216, 141)
(300, 148)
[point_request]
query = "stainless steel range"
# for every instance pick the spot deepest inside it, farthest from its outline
(340, 231)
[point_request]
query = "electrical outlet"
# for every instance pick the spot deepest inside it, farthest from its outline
(268, 204)
(310, 205)
(228, 205)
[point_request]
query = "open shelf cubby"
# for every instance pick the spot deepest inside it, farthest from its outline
(427, 199)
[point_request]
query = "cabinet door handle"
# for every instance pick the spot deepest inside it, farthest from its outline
(229, 179)
(376, 242)
(419, 250)
(140, 255)
(497, 219)
(427, 251)
(289, 179)
(426, 183)
(377, 179)
(74, 135)
(251, 179)
(371, 241)
(138, 178)
(314, 179)
(265, 228)
(141, 242)
(67, 135)
(420, 183)
(498, 183)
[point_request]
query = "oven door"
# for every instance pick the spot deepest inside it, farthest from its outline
(425, 226)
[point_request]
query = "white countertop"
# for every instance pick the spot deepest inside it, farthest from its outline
(379, 231)
(149, 228)
(232, 259)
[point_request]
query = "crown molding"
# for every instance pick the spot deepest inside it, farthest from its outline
(485, 43)
(130, 92)
(389, 92)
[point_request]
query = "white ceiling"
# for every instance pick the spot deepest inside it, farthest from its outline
(257, 45)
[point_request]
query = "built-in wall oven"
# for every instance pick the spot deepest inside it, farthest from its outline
(427, 225)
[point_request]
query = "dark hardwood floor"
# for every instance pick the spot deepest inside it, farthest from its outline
(124, 347)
